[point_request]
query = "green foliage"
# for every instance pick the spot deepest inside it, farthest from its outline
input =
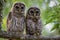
(58, 0)
(52, 15)
(49, 15)
(4, 24)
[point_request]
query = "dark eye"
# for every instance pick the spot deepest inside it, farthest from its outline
(37, 11)
(17, 7)
(31, 12)
(22, 7)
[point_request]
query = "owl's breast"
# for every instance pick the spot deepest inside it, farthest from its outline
(30, 25)
(18, 24)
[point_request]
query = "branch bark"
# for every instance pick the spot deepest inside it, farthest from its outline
(9, 35)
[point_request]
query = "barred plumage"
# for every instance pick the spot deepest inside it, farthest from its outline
(33, 21)
(16, 19)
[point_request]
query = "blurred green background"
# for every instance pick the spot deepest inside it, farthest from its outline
(50, 14)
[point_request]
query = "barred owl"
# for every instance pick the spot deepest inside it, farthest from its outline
(33, 21)
(16, 18)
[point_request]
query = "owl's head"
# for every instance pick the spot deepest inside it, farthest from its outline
(19, 8)
(33, 12)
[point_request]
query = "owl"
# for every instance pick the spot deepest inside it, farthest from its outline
(33, 21)
(16, 19)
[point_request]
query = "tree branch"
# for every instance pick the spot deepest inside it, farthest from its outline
(4, 34)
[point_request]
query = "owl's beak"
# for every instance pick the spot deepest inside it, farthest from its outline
(19, 10)
(36, 17)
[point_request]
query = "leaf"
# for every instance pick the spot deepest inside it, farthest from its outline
(56, 26)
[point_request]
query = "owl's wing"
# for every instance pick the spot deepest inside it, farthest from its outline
(39, 26)
(9, 20)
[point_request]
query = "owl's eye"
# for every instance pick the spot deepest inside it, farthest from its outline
(31, 12)
(37, 11)
(22, 7)
(17, 7)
